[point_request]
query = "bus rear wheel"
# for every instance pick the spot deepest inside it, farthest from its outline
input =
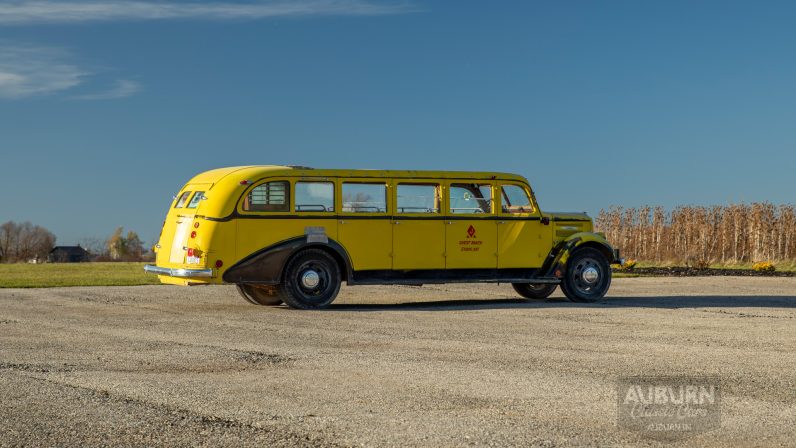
(311, 280)
(260, 295)
(536, 291)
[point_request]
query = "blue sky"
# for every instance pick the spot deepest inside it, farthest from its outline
(106, 108)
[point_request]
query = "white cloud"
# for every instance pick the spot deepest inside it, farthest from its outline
(23, 12)
(30, 70)
(122, 89)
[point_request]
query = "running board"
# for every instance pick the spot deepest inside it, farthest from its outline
(437, 276)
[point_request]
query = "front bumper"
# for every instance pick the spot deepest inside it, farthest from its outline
(192, 273)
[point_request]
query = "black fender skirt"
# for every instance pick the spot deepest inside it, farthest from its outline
(265, 266)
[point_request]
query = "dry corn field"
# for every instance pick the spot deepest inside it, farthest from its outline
(700, 235)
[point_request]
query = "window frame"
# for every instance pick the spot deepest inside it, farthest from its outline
(289, 195)
(374, 181)
(325, 180)
(528, 192)
(186, 194)
(449, 184)
(440, 196)
(194, 197)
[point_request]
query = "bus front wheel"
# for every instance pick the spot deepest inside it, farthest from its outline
(311, 280)
(587, 277)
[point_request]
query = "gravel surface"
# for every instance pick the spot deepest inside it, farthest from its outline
(445, 365)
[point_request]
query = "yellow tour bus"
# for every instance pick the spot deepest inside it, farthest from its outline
(289, 234)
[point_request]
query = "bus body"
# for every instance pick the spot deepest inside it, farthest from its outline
(293, 234)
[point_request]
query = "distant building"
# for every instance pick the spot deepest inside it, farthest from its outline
(68, 254)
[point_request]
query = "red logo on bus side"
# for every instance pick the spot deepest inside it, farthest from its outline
(471, 232)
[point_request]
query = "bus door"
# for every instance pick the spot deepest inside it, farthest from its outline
(471, 229)
(418, 226)
(523, 240)
(364, 225)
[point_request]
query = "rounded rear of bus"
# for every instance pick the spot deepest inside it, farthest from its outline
(191, 248)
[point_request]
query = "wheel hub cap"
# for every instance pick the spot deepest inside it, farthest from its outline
(590, 275)
(310, 279)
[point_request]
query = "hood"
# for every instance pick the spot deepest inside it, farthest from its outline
(566, 224)
(568, 216)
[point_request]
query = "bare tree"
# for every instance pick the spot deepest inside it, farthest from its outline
(96, 247)
(23, 242)
(8, 235)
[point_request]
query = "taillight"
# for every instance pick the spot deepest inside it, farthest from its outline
(190, 252)
(193, 234)
(196, 225)
(219, 263)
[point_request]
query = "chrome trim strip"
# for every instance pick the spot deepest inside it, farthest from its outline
(152, 269)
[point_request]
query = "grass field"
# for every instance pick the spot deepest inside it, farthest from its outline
(74, 274)
(130, 274)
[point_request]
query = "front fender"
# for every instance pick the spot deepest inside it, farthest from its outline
(557, 259)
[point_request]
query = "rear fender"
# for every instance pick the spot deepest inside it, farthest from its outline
(266, 265)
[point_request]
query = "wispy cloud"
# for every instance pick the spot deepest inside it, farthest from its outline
(122, 89)
(21, 12)
(30, 70)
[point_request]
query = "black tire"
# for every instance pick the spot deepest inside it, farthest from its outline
(537, 291)
(583, 264)
(243, 293)
(296, 290)
(265, 295)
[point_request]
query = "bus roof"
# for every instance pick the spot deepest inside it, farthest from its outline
(255, 172)
(224, 186)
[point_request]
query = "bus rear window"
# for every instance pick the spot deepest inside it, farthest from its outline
(268, 197)
(198, 196)
(183, 199)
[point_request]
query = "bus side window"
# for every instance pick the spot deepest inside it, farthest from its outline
(470, 198)
(515, 200)
(364, 198)
(268, 197)
(418, 198)
(314, 197)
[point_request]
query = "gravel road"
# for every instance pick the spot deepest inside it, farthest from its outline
(445, 365)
